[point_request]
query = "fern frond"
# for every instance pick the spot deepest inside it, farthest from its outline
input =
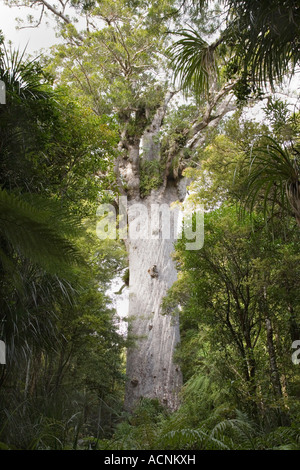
(31, 233)
(192, 439)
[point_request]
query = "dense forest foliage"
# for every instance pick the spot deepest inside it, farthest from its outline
(69, 128)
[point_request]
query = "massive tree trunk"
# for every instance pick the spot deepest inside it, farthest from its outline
(151, 370)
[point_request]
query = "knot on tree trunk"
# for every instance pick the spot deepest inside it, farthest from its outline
(153, 271)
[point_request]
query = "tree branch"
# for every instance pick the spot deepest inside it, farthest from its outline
(60, 14)
(208, 117)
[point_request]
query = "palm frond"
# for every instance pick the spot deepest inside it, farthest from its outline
(266, 37)
(23, 78)
(274, 173)
(193, 61)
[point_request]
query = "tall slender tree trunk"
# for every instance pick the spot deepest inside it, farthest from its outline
(293, 325)
(282, 417)
(275, 376)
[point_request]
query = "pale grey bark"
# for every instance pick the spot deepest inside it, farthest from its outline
(151, 137)
(151, 370)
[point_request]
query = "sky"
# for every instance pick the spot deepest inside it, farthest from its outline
(35, 38)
